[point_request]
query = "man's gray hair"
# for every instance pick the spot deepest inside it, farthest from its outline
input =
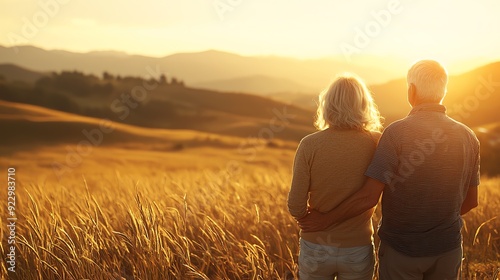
(430, 80)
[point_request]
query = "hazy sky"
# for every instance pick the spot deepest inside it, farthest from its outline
(444, 29)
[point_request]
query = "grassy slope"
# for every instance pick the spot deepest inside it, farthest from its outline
(49, 143)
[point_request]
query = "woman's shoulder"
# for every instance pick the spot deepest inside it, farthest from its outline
(319, 137)
(313, 136)
(375, 135)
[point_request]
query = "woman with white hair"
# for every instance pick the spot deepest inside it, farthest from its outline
(329, 166)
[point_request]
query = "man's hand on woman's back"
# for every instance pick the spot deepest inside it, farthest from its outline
(314, 221)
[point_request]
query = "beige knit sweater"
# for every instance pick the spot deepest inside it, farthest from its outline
(328, 168)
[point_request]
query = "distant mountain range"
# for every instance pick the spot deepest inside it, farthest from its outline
(210, 69)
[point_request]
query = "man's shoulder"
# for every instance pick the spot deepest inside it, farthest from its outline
(395, 126)
(458, 126)
(404, 123)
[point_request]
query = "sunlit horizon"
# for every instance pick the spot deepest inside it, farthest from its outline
(455, 32)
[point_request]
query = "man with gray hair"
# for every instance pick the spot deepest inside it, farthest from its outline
(427, 166)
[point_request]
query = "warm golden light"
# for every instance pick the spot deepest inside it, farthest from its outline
(459, 33)
(176, 139)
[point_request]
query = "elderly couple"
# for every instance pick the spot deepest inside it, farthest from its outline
(426, 166)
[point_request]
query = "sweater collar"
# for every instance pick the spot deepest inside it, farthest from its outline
(428, 107)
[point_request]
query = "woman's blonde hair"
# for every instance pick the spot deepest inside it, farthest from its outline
(347, 103)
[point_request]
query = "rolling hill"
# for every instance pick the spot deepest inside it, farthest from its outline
(12, 73)
(34, 125)
(167, 106)
(235, 114)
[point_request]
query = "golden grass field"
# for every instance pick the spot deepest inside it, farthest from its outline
(133, 217)
(140, 206)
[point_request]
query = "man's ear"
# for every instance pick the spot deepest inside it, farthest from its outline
(412, 94)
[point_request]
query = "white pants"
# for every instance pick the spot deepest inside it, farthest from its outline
(324, 262)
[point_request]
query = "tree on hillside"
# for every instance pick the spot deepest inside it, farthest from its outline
(153, 81)
(163, 79)
(107, 77)
(176, 82)
(75, 82)
(132, 79)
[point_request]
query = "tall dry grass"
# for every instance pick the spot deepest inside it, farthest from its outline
(187, 225)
